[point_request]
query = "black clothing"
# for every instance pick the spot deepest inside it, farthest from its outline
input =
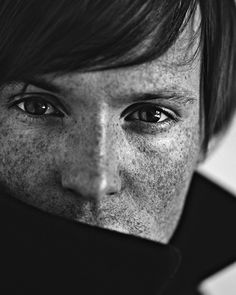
(205, 236)
(45, 254)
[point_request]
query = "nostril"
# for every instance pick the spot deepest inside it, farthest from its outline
(73, 192)
(90, 191)
(92, 185)
(112, 193)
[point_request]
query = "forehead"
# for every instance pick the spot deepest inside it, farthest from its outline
(176, 69)
(161, 74)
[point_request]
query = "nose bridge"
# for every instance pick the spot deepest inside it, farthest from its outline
(94, 170)
(102, 135)
(101, 148)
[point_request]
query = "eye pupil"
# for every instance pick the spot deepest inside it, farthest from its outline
(150, 115)
(35, 106)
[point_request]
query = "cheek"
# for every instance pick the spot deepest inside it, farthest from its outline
(26, 161)
(162, 169)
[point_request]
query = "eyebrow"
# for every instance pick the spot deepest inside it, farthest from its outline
(182, 96)
(44, 84)
(174, 93)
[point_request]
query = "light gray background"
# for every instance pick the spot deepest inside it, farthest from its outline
(221, 165)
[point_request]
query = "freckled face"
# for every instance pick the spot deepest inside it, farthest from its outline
(115, 148)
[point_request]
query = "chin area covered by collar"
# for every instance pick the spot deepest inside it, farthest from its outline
(45, 254)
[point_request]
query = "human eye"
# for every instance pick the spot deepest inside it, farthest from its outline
(150, 117)
(37, 105)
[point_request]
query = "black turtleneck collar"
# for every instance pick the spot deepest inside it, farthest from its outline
(45, 254)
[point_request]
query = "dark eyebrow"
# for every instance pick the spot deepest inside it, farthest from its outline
(180, 96)
(159, 94)
(44, 84)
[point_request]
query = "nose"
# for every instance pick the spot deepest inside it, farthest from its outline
(92, 185)
(91, 161)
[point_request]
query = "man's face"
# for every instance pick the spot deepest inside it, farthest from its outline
(122, 154)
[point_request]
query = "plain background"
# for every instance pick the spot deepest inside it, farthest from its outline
(221, 165)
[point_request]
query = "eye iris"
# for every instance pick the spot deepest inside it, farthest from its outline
(35, 107)
(150, 115)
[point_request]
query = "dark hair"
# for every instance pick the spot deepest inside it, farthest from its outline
(40, 37)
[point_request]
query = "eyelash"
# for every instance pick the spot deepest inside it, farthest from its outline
(141, 125)
(38, 96)
(135, 124)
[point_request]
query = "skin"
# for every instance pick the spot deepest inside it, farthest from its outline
(101, 167)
